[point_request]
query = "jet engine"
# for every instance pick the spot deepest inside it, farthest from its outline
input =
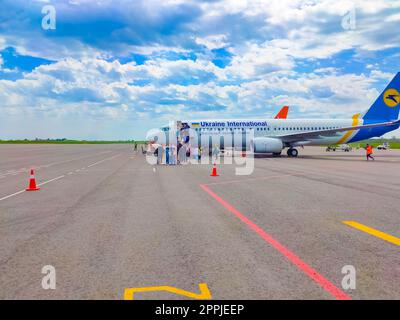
(266, 145)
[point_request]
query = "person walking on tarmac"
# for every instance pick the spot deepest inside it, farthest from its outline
(159, 153)
(215, 152)
(172, 159)
(368, 149)
(167, 154)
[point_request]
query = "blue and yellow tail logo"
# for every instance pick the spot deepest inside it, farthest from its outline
(391, 97)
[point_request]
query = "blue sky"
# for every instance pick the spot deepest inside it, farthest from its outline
(114, 69)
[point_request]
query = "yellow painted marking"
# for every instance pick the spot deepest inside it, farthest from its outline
(203, 295)
(349, 133)
(374, 232)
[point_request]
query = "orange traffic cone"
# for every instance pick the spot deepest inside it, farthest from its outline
(32, 183)
(214, 171)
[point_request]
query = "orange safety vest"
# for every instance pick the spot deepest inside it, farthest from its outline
(369, 150)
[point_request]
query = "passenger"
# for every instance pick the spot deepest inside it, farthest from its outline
(215, 152)
(195, 153)
(368, 148)
(178, 151)
(160, 154)
(167, 150)
(188, 152)
(155, 152)
(182, 154)
(172, 159)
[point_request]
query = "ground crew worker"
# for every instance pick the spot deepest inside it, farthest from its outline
(368, 148)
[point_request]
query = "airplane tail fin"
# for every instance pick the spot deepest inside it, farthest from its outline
(282, 114)
(387, 106)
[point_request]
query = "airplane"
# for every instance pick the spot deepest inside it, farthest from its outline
(272, 136)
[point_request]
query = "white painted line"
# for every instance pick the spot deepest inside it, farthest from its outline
(51, 180)
(11, 195)
(40, 184)
(98, 162)
(60, 177)
(37, 167)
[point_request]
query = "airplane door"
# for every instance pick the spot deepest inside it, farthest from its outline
(244, 136)
(199, 138)
(210, 145)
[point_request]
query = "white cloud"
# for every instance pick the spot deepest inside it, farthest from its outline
(213, 41)
(268, 42)
(256, 60)
(100, 88)
(311, 28)
(393, 18)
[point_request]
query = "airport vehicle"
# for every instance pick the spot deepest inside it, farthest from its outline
(262, 136)
(384, 146)
(344, 147)
(341, 147)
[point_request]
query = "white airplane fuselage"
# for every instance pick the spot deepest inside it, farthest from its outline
(272, 128)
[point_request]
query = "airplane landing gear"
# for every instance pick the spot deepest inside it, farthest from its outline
(291, 152)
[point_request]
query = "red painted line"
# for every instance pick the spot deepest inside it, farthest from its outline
(308, 270)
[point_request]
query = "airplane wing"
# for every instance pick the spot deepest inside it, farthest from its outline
(320, 134)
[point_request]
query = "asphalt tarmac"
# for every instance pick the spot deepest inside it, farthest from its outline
(107, 221)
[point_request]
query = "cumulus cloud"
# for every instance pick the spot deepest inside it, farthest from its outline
(159, 60)
(108, 88)
(213, 41)
(306, 28)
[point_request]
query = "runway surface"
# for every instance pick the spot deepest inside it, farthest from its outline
(107, 220)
